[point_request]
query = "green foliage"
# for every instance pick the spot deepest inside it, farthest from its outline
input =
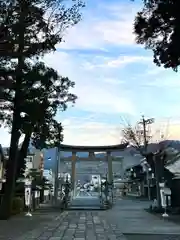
(44, 93)
(42, 23)
(17, 205)
(157, 27)
(30, 29)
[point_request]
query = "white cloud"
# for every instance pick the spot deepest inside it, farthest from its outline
(103, 25)
(113, 81)
(124, 60)
(96, 99)
(81, 132)
(94, 94)
(163, 81)
(89, 131)
(114, 62)
(168, 128)
(155, 70)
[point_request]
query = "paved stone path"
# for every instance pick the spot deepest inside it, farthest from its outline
(77, 225)
(131, 218)
(126, 221)
(86, 201)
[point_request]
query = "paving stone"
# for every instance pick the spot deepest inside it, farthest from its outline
(54, 238)
(115, 224)
(112, 237)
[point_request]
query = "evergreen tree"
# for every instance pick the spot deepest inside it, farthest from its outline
(40, 107)
(32, 28)
(44, 93)
(157, 27)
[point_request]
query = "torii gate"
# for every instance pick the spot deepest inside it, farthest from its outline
(91, 150)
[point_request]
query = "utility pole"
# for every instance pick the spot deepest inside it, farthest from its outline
(145, 122)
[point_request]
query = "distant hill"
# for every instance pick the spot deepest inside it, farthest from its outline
(129, 153)
(51, 154)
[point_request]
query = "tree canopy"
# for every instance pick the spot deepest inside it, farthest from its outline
(157, 27)
(30, 29)
(134, 136)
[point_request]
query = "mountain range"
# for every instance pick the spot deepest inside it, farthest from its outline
(50, 154)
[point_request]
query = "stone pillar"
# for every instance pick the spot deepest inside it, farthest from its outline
(110, 170)
(73, 170)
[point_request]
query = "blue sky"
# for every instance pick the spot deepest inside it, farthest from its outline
(116, 79)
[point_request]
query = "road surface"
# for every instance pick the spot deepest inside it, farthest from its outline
(126, 221)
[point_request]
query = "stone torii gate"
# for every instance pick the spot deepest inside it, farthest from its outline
(91, 150)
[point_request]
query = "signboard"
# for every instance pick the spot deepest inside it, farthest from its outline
(167, 191)
(163, 198)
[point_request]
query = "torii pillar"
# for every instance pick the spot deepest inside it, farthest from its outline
(110, 170)
(73, 171)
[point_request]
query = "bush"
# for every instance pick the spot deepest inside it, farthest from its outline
(17, 205)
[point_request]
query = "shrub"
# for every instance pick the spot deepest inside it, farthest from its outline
(17, 205)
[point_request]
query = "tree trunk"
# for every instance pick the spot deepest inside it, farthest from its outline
(22, 155)
(5, 210)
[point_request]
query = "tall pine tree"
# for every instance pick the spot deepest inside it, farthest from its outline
(32, 28)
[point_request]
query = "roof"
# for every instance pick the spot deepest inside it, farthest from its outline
(110, 148)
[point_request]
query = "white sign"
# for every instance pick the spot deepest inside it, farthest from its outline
(167, 191)
(28, 196)
(163, 198)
